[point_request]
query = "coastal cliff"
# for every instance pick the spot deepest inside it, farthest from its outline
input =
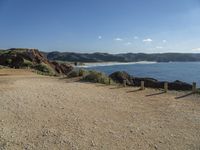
(33, 59)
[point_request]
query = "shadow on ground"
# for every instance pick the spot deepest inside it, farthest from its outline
(154, 94)
(137, 90)
(184, 95)
(118, 87)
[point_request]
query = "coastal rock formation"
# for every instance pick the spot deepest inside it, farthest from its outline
(153, 83)
(119, 77)
(61, 68)
(179, 85)
(32, 58)
(149, 82)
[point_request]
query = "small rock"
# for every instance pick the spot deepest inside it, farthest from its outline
(92, 143)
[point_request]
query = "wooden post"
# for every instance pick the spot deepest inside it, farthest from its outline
(124, 83)
(166, 87)
(194, 87)
(142, 85)
(109, 81)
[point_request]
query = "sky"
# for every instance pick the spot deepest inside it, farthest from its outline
(112, 26)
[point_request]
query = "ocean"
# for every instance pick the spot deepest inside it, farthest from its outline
(184, 71)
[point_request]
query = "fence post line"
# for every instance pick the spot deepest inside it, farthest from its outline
(142, 85)
(124, 83)
(166, 87)
(194, 87)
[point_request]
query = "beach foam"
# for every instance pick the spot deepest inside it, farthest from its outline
(89, 65)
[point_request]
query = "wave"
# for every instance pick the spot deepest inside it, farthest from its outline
(90, 65)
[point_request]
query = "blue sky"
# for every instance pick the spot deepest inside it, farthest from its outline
(114, 26)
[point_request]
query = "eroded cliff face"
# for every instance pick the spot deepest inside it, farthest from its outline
(32, 58)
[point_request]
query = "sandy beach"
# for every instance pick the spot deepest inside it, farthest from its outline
(40, 112)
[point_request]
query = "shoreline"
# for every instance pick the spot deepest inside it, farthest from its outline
(97, 64)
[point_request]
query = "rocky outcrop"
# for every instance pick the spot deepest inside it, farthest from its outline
(20, 58)
(61, 68)
(149, 82)
(179, 85)
(153, 83)
(119, 77)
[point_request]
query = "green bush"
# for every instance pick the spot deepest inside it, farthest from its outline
(44, 69)
(73, 74)
(3, 67)
(83, 72)
(77, 73)
(27, 63)
(198, 91)
(9, 61)
(97, 77)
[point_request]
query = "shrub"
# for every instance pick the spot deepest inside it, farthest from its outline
(198, 91)
(3, 67)
(27, 63)
(44, 69)
(77, 73)
(73, 74)
(9, 61)
(83, 72)
(96, 77)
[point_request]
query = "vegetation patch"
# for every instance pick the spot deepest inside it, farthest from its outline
(27, 63)
(77, 73)
(97, 77)
(44, 69)
(3, 51)
(198, 91)
(3, 67)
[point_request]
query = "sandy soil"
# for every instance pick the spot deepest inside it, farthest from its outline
(38, 112)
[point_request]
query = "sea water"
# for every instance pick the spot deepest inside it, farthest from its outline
(184, 71)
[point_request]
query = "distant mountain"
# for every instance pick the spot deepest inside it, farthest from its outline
(126, 57)
(106, 57)
(83, 57)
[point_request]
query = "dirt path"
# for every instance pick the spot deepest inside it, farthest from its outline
(38, 112)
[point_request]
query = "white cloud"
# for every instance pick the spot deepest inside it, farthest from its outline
(164, 41)
(148, 40)
(196, 49)
(118, 39)
(159, 47)
(136, 37)
(99, 37)
(128, 43)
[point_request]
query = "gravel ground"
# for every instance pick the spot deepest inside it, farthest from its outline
(42, 113)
